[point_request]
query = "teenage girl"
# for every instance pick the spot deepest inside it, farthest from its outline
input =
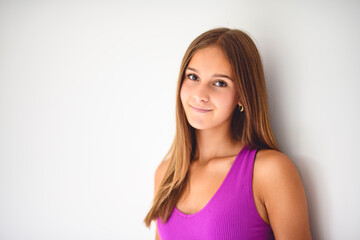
(224, 176)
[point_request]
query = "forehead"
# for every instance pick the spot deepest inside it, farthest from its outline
(211, 59)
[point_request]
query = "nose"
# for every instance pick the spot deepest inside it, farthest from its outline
(201, 93)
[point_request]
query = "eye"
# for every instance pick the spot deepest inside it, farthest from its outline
(220, 84)
(192, 77)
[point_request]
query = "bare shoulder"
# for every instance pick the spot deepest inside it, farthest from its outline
(273, 164)
(280, 189)
(273, 172)
(160, 171)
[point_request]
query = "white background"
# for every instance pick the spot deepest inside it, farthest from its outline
(87, 98)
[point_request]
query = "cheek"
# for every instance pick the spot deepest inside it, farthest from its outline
(183, 93)
(228, 101)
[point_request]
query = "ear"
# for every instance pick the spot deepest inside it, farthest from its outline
(239, 101)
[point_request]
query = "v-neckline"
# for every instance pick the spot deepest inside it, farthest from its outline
(217, 191)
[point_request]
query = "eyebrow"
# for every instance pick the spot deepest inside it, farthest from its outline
(215, 75)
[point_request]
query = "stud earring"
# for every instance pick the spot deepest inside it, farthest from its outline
(241, 108)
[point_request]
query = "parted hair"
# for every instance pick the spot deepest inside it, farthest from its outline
(251, 126)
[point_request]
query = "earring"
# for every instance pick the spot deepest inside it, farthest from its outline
(241, 108)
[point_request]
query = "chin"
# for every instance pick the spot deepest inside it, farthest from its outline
(199, 126)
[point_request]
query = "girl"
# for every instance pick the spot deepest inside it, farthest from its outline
(224, 176)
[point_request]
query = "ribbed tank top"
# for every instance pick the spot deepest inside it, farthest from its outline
(230, 214)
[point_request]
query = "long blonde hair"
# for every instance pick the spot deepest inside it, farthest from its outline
(252, 126)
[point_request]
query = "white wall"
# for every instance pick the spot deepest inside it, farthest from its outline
(87, 95)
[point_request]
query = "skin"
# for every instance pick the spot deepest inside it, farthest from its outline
(277, 188)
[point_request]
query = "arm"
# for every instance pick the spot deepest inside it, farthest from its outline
(157, 236)
(280, 190)
(160, 171)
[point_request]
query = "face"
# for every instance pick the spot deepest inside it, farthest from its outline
(208, 92)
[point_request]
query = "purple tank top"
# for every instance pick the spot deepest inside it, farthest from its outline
(230, 214)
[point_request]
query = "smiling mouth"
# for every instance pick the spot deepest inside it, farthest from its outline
(200, 110)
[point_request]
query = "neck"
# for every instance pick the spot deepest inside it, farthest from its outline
(215, 143)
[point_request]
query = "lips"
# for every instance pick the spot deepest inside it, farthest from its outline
(200, 109)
